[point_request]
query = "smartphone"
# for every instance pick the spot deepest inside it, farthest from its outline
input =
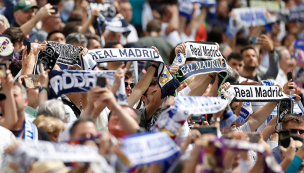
(101, 81)
(206, 130)
(253, 40)
(55, 8)
(198, 118)
(3, 69)
(27, 43)
(284, 138)
(285, 107)
(254, 137)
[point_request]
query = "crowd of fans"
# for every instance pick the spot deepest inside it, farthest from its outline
(96, 118)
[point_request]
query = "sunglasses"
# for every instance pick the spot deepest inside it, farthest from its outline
(295, 131)
(131, 85)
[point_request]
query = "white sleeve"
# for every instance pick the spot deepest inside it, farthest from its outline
(101, 121)
(184, 92)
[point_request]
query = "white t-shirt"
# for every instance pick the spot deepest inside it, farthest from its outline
(6, 139)
(101, 121)
(173, 37)
(281, 78)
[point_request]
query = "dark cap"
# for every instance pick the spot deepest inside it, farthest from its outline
(24, 6)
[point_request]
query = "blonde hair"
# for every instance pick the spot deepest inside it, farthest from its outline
(49, 124)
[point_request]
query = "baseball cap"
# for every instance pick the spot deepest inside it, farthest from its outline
(24, 6)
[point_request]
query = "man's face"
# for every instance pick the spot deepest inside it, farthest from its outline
(53, 22)
(294, 125)
(114, 124)
(288, 63)
(85, 130)
(150, 93)
(129, 90)
(250, 59)
(126, 11)
(94, 44)
(19, 101)
(22, 17)
(237, 65)
(57, 37)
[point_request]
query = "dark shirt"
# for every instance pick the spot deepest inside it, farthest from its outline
(42, 135)
(277, 154)
(147, 124)
(254, 78)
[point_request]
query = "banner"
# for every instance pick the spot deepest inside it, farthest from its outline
(185, 9)
(196, 50)
(147, 148)
(203, 67)
(57, 53)
(246, 110)
(272, 6)
(257, 93)
(248, 17)
(166, 81)
(205, 2)
(49, 151)
(106, 9)
(64, 82)
(211, 158)
(172, 119)
(296, 13)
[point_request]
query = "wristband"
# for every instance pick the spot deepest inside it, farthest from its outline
(155, 66)
(43, 88)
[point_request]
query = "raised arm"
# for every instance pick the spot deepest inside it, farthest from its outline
(10, 111)
(43, 78)
(85, 27)
(202, 86)
(174, 21)
(42, 13)
(128, 123)
(258, 117)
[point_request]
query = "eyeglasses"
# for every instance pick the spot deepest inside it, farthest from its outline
(131, 85)
(295, 131)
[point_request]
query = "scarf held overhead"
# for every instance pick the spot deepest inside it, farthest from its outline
(64, 82)
(166, 81)
(57, 53)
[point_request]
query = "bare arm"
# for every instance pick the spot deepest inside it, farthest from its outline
(174, 21)
(257, 118)
(269, 129)
(85, 27)
(142, 86)
(42, 13)
(10, 110)
(201, 87)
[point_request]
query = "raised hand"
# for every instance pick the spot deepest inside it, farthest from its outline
(265, 41)
(7, 81)
(42, 46)
(43, 78)
(289, 86)
(45, 11)
(180, 48)
(174, 69)
(156, 50)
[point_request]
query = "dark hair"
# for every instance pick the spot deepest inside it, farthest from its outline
(53, 32)
(242, 41)
(284, 38)
(111, 44)
(128, 75)
(75, 18)
(77, 38)
(92, 36)
(154, 26)
(216, 34)
(152, 83)
(82, 119)
(246, 48)
(15, 33)
(70, 27)
(292, 118)
(235, 55)
(54, 2)
(14, 68)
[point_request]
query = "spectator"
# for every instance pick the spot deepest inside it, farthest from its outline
(84, 127)
(287, 64)
(49, 24)
(154, 38)
(51, 125)
(236, 61)
(71, 27)
(128, 83)
(126, 11)
(24, 12)
(94, 41)
(17, 37)
(56, 36)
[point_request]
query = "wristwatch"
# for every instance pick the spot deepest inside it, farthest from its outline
(215, 119)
